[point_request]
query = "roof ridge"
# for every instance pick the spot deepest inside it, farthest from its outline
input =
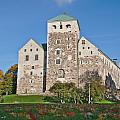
(62, 17)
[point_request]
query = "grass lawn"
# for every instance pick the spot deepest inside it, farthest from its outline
(12, 99)
(105, 102)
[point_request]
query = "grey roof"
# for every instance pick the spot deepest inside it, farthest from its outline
(44, 46)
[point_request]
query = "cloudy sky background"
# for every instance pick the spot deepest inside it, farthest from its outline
(21, 20)
(62, 2)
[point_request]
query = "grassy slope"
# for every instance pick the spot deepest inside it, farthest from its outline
(11, 99)
(23, 99)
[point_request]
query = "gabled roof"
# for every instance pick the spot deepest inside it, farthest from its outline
(62, 17)
(43, 46)
(83, 38)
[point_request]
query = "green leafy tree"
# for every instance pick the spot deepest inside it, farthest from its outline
(11, 79)
(67, 92)
(97, 89)
(8, 80)
(1, 82)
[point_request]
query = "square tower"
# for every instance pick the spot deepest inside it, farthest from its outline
(62, 56)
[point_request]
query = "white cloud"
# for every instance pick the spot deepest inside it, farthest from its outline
(62, 2)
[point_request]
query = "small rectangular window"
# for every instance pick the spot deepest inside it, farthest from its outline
(58, 52)
(30, 49)
(24, 50)
(31, 73)
(27, 57)
(79, 53)
(36, 57)
(32, 67)
(83, 41)
(58, 41)
(57, 61)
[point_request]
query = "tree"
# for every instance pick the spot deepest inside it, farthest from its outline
(11, 79)
(67, 92)
(8, 80)
(1, 82)
(94, 89)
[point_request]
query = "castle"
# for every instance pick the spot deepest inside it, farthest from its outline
(65, 58)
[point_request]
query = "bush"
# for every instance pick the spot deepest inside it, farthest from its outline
(53, 99)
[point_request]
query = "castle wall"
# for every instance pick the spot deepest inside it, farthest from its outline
(96, 61)
(31, 71)
(68, 59)
(65, 40)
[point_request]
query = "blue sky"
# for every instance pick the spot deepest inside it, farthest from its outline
(24, 19)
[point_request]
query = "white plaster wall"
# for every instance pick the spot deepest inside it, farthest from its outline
(86, 51)
(109, 66)
(25, 67)
(73, 23)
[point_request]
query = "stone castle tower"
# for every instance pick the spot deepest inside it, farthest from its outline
(62, 64)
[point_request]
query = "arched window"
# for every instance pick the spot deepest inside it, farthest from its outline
(68, 26)
(54, 26)
(61, 73)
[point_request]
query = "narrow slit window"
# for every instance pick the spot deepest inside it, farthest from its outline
(61, 26)
(91, 52)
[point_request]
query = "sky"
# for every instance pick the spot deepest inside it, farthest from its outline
(21, 20)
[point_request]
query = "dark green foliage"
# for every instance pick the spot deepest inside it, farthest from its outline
(97, 90)
(52, 99)
(67, 92)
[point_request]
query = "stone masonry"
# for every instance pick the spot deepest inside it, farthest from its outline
(65, 58)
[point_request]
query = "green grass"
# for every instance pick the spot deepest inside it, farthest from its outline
(12, 99)
(104, 102)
